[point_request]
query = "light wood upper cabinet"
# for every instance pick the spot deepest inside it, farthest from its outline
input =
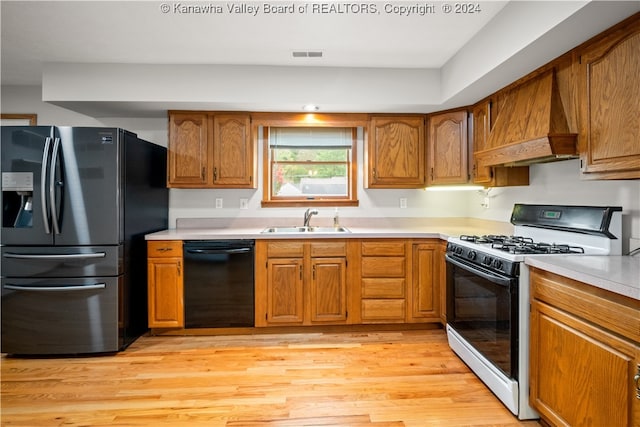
(447, 153)
(585, 353)
(165, 284)
(482, 119)
(188, 154)
(610, 129)
(481, 123)
(396, 152)
(210, 150)
(233, 154)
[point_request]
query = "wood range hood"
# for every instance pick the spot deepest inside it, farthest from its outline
(531, 127)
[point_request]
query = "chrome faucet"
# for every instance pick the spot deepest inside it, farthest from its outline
(307, 216)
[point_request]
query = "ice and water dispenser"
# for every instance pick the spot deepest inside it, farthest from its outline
(17, 199)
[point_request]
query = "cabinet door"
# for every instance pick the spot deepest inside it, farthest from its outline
(396, 152)
(482, 117)
(611, 89)
(580, 374)
(425, 292)
(448, 149)
(481, 127)
(233, 160)
(188, 154)
(285, 303)
(165, 294)
(442, 280)
(328, 293)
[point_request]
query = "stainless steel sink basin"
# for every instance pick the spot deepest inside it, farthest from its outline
(306, 230)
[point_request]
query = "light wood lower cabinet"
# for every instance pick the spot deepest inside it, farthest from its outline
(384, 269)
(425, 286)
(585, 353)
(165, 284)
(318, 282)
(301, 282)
(350, 281)
(400, 281)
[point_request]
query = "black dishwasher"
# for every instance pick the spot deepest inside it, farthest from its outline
(218, 283)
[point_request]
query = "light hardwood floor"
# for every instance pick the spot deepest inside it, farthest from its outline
(383, 378)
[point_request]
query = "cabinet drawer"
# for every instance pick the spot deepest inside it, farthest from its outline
(383, 266)
(325, 249)
(284, 249)
(164, 248)
(383, 288)
(383, 248)
(383, 309)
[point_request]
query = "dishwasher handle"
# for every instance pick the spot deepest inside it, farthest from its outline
(218, 251)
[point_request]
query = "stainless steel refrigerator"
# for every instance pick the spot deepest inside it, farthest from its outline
(76, 204)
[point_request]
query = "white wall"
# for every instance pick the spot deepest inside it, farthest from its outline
(28, 100)
(553, 183)
(560, 183)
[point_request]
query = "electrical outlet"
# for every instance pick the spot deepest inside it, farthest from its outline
(218, 203)
(244, 203)
(403, 203)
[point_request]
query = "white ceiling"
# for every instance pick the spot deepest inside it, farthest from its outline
(36, 33)
(139, 32)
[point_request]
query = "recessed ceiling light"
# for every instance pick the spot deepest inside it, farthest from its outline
(310, 107)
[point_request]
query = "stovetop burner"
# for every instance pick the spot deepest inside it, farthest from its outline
(537, 248)
(522, 245)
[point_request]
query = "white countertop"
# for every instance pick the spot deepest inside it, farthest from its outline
(251, 228)
(618, 274)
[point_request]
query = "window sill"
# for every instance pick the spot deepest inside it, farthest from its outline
(298, 203)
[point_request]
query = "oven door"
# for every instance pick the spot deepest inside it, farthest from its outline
(482, 307)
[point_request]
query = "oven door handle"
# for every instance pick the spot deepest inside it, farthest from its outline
(494, 278)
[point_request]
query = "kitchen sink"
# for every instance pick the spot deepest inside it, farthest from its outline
(276, 230)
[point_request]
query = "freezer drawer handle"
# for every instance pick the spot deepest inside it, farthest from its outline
(56, 288)
(57, 256)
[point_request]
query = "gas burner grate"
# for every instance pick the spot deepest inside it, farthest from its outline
(496, 239)
(530, 247)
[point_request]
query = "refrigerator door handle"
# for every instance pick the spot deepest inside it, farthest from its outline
(43, 185)
(55, 288)
(56, 256)
(52, 187)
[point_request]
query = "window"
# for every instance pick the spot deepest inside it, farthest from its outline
(306, 166)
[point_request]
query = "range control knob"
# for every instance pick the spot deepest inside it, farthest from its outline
(471, 255)
(459, 250)
(497, 264)
(487, 260)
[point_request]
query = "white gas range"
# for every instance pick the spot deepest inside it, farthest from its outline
(488, 289)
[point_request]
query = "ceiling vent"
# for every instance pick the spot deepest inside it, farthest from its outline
(307, 54)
